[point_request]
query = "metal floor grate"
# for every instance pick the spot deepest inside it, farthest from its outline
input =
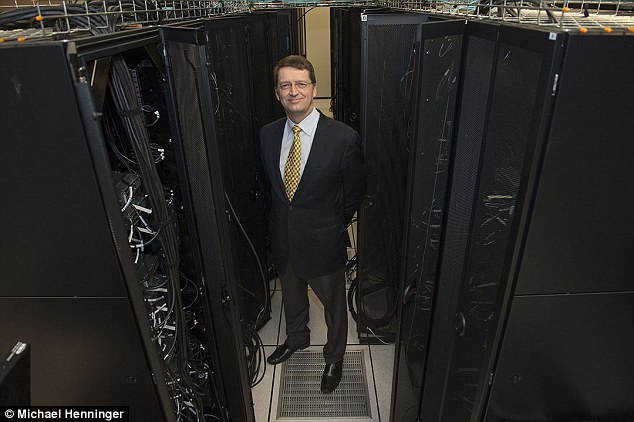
(300, 397)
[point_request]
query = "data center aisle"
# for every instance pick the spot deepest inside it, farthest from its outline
(378, 363)
(378, 358)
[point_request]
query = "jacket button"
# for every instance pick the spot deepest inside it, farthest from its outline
(290, 207)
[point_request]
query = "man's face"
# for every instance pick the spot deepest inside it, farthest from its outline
(295, 92)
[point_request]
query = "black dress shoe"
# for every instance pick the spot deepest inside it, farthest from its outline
(284, 352)
(331, 378)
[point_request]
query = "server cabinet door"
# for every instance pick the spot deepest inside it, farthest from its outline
(262, 47)
(192, 89)
(345, 42)
(438, 75)
(519, 107)
(66, 287)
(237, 136)
(390, 46)
(440, 293)
(286, 44)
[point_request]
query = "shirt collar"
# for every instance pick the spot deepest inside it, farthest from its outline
(308, 125)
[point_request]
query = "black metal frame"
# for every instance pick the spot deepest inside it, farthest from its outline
(200, 163)
(438, 394)
(238, 143)
(126, 305)
(398, 148)
(345, 47)
(557, 297)
(87, 60)
(438, 78)
(453, 243)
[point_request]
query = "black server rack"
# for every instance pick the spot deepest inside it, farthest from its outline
(389, 56)
(519, 105)
(15, 376)
(338, 53)
(128, 293)
(285, 25)
(530, 282)
(565, 346)
(200, 155)
(229, 48)
(345, 48)
(438, 73)
(69, 285)
(345, 59)
(479, 47)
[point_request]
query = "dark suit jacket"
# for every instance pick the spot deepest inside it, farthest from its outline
(309, 233)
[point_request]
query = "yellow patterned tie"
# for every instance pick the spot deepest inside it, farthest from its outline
(291, 168)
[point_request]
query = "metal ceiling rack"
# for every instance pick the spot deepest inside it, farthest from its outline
(25, 21)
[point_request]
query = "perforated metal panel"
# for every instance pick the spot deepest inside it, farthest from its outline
(513, 101)
(237, 141)
(476, 81)
(389, 56)
(300, 397)
(439, 76)
(205, 202)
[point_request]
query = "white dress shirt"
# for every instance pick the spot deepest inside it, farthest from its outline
(308, 127)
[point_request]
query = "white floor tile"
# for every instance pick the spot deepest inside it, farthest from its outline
(262, 392)
(275, 392)
(383, 368)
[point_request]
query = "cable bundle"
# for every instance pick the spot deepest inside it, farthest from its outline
(255, 354)
(98, 17)
(171, 332)
(253, 342)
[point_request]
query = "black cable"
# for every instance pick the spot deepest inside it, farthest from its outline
(267, 304)
(252, 340)
(96, 16)
(503, 6)
(255, 354)
(304, 14)
(122, 89)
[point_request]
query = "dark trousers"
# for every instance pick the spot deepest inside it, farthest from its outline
(331, 291)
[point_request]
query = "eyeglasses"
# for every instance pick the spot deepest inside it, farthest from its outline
(286, 86)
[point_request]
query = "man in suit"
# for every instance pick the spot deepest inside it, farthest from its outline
(315, 166)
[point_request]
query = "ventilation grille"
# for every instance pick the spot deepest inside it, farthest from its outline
(300, 397)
